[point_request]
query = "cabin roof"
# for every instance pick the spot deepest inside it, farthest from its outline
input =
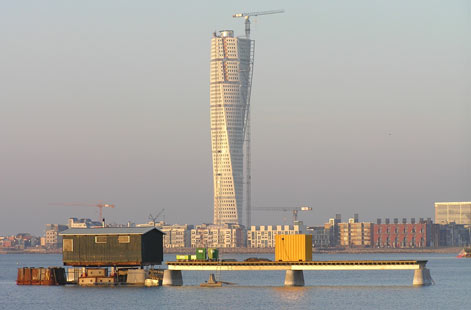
(109, 231)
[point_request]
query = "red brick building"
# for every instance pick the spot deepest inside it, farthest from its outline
(413, 235)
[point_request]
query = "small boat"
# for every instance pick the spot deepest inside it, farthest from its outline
(465, 252)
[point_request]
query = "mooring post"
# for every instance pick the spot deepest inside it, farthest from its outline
(422, 277)
(172, 278)
(294, 278)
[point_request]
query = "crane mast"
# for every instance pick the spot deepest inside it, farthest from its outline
(248, 177)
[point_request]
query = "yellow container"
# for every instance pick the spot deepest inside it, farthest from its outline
(293, 248)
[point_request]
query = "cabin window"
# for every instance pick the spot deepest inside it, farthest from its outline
(100, 239)
(124, 239)
(68, 245)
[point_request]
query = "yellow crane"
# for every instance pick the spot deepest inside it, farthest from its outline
(247, 16)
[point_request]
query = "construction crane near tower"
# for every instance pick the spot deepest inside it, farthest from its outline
(154, 218)
(294, 210)
(248, 174)
(247, 16)
(100, 206)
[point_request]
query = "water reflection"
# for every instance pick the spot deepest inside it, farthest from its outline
(290, 293)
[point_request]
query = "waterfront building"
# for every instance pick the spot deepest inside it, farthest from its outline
(403, 235)
(320, 236)
(73, 222)
(230, 80)
(332, 228)
(176, 235)
(264, 236)
(453, 212)
(355, 233)
(218, 236)
(451, 235)
(53, 240)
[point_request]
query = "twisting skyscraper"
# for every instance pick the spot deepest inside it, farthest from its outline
(230, 82)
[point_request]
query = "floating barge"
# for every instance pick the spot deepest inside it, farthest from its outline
(103, 256)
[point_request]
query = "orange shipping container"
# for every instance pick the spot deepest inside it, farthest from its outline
(293, 248)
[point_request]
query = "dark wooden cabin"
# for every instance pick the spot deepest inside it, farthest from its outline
(109, 246)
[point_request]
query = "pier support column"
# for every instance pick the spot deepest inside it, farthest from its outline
(422, 277)
(294, 278)
(172, 278)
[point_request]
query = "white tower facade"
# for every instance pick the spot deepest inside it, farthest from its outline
(230, 83)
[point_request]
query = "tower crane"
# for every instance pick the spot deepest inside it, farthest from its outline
(246, 129)
(100, 206)
(247, 16)
(294, 210)
(154, 218)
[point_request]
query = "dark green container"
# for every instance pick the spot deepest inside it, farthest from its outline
(213, 254)
(201, 254)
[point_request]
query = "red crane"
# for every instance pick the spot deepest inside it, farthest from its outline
(99, 206)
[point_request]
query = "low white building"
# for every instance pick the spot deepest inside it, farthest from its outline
(218, 236)
(52, 238)
(176, 235)
(264, 236)
(73, 222)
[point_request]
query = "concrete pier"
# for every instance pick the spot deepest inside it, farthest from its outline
(172, 278)
(294, 278)
(422, 277)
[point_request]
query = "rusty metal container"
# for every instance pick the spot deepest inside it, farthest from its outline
(36, 276)
(41, 276)
(293, 248)
(24, 276)
(46, 277)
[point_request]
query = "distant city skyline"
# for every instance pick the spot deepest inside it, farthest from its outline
(358, 107)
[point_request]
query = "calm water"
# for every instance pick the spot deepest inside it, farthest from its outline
(255, 289)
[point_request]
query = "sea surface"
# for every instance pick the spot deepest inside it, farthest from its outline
(254, 289)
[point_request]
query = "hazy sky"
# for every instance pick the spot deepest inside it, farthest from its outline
(357, 107)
